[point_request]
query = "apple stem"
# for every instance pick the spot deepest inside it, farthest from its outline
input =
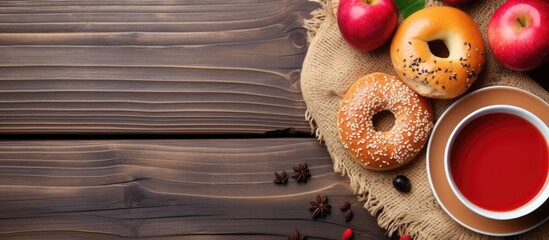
(522, 24)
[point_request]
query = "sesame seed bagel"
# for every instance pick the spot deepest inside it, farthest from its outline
(438, 76)
(387, 150)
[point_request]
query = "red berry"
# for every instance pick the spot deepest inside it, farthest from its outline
(406, 237)
(347, 234)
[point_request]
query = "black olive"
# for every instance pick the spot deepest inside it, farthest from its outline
(402, 183)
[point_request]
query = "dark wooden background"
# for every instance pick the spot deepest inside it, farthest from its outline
(160, 119)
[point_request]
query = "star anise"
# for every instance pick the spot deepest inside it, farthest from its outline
(281, 178)
(296, 236)
(301, 172)
(320, 207)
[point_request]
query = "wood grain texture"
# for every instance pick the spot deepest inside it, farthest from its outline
(152, 66)
(201, 189)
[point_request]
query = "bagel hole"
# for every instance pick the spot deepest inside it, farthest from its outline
(439, 48)
(383, 121)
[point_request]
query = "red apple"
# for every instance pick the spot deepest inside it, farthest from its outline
(367, 24)
(455, 1)
(518, 34)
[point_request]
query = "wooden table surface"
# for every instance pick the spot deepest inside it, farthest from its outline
(160, 119)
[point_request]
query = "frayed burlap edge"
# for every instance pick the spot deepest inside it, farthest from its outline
(393, 223)
(363, 192)
(317, 17)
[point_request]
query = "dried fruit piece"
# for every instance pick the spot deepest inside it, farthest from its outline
(348, 215)
(402, 183)
(344, 206)
(347, 234)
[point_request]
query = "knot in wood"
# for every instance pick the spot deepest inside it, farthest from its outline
(133, 195)
(299, 39)
(295, 76)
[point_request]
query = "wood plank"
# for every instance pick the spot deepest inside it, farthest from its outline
(211, 5)
(198, 188)
(152, 67)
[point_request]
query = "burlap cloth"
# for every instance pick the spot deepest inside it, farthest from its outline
(331, 66)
